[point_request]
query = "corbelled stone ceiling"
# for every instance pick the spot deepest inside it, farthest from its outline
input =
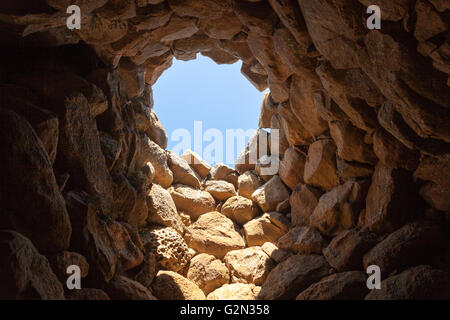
(364, 158)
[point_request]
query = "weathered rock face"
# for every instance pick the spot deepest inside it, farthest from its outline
(292, 276)
(339, 286)
(250, 265)
(345, 252)
(267, 228)
(215, 234)
(418, 283)
(192, 201)
(208, 272)
(239, 209)
(413, 244)
(123, 288)
(363, 150)
(169, 285)
(339, 209)
(162, 209)
(25, 274)
(248, 183)
(168, 246)
(47, 224)
(235, 291)
(269, 195)
(302, 240)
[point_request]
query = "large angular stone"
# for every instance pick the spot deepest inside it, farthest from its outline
(302, 239)
(418, 283)
(320, 166)
(413, 244)
(215, 234)
(219, 189)
(345, 252)
(301, 99)
(339, 286)
(208, 272)
(169, 285)
(182, 172)
(392, 152)
(291, 167)
(250, 265)
(198, 164)
(267, 228)
(294, 131)
(248, 182)
(292, 276)
(162, 209)
(221, 171)
(31, 201)
(153, 153)
(239, 209)
(390, 201)
(350, 143)
(168, 246)
(191, 201)
(339, 208)
(270, 194)
(303, 201)
(24, 273)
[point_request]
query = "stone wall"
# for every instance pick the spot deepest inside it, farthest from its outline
(364, 152)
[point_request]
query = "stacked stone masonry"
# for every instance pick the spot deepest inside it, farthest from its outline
(364, 178)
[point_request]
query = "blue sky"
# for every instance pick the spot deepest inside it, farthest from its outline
(200, 90)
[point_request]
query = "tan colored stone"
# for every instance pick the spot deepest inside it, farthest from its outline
(162, 209)
(250, 265)
(239, 209)
(208, 272)
(267, 228)
(215, 234)
(248, 182)
(301, 99)
(198, 164)
(219, 189)
(270, 194)
(276, 254)
(221, 171)
(182, 172)
(235, 291)
(169, 285)
(168, 246)
(292, 167)
(350, 143)
(320, 166)
(339, 208)
(294, 131)
(303, 201)
(191, 201)
(154, 154)
(225, 27)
